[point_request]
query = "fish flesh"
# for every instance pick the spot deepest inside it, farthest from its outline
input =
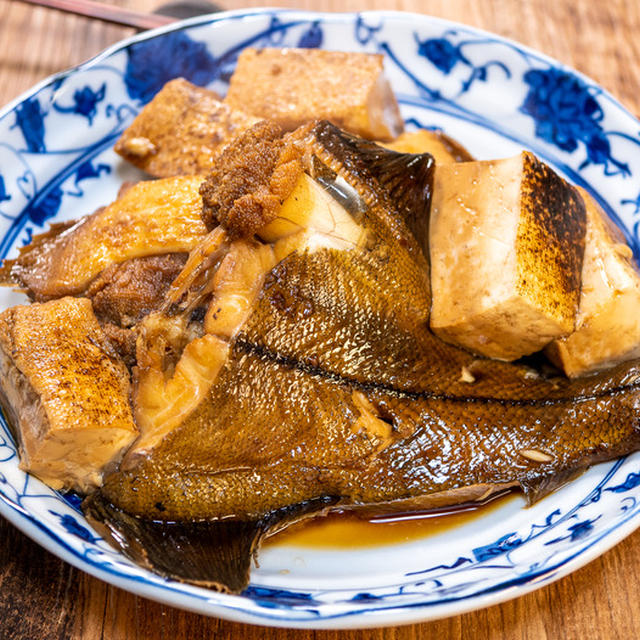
(332, 392)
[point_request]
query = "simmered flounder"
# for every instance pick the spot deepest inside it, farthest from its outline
(335, 393)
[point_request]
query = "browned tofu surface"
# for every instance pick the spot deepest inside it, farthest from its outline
(180, 131)
(608, 321)
(150, 218)
(293, 86)
(65, 392)
(506, 244)
(444, 149)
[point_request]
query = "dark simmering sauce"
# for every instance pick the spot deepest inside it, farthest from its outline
(348, 530)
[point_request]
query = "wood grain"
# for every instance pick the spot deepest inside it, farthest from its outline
(43, 598)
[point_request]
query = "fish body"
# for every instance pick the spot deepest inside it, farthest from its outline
(335, 394)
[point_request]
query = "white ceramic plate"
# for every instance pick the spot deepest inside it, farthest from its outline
(493, 95)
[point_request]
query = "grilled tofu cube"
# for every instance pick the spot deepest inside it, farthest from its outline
(180, 131)
(65, 392)
(294, 86)
(506, 244)
(444, 149)
(608, 321)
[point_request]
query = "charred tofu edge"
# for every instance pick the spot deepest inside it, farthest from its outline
(517, 230)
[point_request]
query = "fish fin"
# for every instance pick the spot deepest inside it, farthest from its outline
(10, 270)
(406, 179)
(215, 554)
(537, 487)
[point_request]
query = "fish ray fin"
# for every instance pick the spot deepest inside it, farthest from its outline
(28, 255)
(406, 179)
(215, 554)
(537, 487)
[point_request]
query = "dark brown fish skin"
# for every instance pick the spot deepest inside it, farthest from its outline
(278, 424)
(225, 556)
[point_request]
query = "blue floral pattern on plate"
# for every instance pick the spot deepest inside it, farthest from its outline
(495, 96)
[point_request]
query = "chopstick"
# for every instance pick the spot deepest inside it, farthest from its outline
(107, 13)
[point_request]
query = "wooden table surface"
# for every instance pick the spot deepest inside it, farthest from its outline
(41, 597)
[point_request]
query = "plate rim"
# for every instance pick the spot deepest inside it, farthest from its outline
(229, 606)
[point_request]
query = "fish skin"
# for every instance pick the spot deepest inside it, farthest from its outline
(292, 440)
(279, 422)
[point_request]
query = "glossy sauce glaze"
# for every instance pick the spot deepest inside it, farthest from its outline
(347, 530)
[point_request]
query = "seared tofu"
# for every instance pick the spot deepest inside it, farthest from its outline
(444, 149)
(181, 130)
(294, 86)
(506, 242)
(150, 218)
(65, 392)
(608, 322)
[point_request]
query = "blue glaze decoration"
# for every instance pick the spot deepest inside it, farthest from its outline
(85, 102)
(72, 499)
(577, 531)
(47, 207)
(454, 565)
(88, 170)
(365, 597)
(152, 63)
(504, 543)
(275, 35)
(27, 237)
(272, 598)
(635, 203)
(4, 196)
(581, 529)
(441, 53)
(567, 113)
(312, 37)
(30, 119)
(445, 56)
(364, 32)
(74, 527)
(632, 481)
